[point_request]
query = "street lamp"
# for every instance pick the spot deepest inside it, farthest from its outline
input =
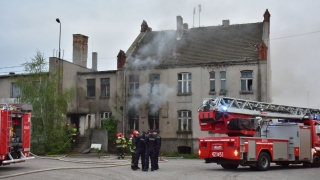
(58, 21)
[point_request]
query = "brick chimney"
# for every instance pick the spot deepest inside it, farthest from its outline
(144, 26)
(266, 16)
(179, 27)
(94, 61)
(121, 59)
(262, 51)
(225, 22)
(80, 49)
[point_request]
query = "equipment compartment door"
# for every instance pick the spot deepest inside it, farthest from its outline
(305, 144)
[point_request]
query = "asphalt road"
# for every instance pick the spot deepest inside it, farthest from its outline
(110, 168)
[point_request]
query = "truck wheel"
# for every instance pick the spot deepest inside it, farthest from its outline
(316, 161)
(230, 166)
(263, 163)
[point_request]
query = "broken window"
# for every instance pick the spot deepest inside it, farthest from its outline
(105, 87)
(212, 82)
(223, 79)
(184, 82)
(134, 85)
(153, 118)
(91, 87)
(133, 119)
(15, 90)
(246, 80)
(154, 84)
(184, 120)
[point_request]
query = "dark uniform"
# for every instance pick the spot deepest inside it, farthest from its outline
(150, 143)
(141, 150)
(157, 148)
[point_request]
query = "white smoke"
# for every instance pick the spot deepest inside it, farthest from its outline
(155, 97)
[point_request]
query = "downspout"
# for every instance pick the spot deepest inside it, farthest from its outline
(259, 81)
(124, 102)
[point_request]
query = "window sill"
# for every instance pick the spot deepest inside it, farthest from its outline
(183, 132)
(90, 97)
(184, 94)
(246, 92)
(104, 97)
(212, 93)
(223, 92)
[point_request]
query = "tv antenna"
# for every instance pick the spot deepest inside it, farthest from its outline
(194, 13)
(199, 13)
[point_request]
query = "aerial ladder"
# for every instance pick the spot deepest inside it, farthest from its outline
(255, 134)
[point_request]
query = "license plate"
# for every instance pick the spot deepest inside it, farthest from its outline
(217, 154)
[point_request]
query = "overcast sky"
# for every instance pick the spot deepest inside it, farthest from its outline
(111, 25)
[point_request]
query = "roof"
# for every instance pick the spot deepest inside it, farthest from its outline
(198, 45)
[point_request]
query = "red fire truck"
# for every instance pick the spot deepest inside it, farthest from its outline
(255, 134)
(15, 122)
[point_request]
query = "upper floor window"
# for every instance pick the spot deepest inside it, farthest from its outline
(105, 87)
(223, 79)
(212, 82)
(15, 90)
(154, 83)
(134, 85)
(184, 120)
(105, 115)
(184, 82)
(91, 87)
(246, 80)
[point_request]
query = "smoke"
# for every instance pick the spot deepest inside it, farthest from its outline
(148, 62)
(155, 96)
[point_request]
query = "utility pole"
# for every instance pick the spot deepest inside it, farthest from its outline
(194, 12)
(199, 13)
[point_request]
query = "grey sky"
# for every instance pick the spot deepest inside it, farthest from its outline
(111, 25)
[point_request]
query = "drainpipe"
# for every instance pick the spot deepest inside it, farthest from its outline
(124, 102)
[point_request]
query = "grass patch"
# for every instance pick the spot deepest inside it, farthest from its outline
(186, 156)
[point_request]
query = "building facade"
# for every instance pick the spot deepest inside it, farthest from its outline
(163, 77)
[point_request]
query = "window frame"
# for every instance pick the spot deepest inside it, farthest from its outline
(212, 79)
(184, 83)
(134, 82)
(105, 88)
(223, 79)
(91, 87)
(246, 80)
(15, 87)
(182, 118)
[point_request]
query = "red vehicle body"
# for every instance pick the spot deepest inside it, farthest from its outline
(256, 134)
(15, 121)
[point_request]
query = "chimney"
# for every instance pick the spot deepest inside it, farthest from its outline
(144, 26)
(179, 27)
(225, 22)
(266, 16)
(94, 61)
(80, 49)
(121, 58)
(185, 26)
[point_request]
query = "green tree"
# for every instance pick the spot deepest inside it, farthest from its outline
(110, 124)
(42, 89)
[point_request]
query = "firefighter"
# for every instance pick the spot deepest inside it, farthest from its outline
(120, 145)
(157, 148)
(74, 132)
(133, 147)
(141, 151)
(150, 143)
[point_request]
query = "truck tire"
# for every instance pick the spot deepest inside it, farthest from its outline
(229, 166)
(263, 163)
(316, 161)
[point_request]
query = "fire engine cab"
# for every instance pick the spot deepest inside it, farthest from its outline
(255, 134)
(15, 120)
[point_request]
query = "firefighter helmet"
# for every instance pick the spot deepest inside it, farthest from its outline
(135, 132)
(119, 134)
(131, 135)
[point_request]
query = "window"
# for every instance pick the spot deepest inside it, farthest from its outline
(184, 82)
(154, 84)
(212, 82)
(184, 120)
(105, 115)
(15, 90)
(133, 119)
(223, 80)
(105, 87)
(91, 87)
(153, 118)
(134, 85)
(246, 81)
